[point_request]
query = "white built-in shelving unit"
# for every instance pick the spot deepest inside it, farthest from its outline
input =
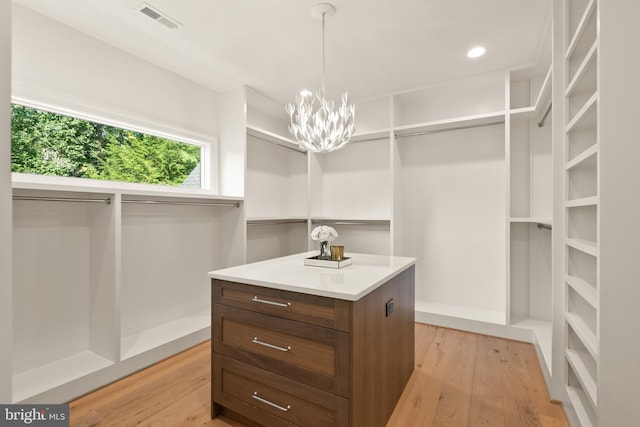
(530, 203)
(276, 183)
(581, 148)
(449, 180)
(109, 277)
(351, 189)
(423, 166)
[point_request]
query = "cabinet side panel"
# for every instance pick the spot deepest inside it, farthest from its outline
(382, 350)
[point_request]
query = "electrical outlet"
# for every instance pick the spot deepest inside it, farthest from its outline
(388, 308)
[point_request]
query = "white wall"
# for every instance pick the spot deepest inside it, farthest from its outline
(6, 298)
(619, 373)
(58, 65)
(453, 213)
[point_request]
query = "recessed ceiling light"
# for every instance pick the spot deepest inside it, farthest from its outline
(305, 92)
(476, 52)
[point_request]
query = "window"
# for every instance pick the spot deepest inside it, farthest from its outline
(48, 143)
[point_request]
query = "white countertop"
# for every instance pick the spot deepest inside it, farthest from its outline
(366, 273)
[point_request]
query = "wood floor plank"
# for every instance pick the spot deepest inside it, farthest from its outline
(461, 379)
(455, 394)
(486, 392)
(420, 397)
(519, 407)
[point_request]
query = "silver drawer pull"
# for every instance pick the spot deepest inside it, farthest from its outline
(273, 405)
(255, 340)
(264, 301)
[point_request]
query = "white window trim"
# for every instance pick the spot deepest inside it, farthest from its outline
(207, 144)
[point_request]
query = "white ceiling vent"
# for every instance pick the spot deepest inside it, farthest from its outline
(158, 16)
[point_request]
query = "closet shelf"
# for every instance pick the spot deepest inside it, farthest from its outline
(582, 113)
(56, 373)
(584, 289)
(457, 123)
(583, 410)
(584, 201)
(374, 135)
(539, 109)
(274, 138)
(96, 187)
(533, 220)
(580, 72)
(543, 100)
(586, 246)
(583, 157)
(152, 338)
(580, 28)
(523, 113)
(543, 332)
(583, 366)
(582, 330)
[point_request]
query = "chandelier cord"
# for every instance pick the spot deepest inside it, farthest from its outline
(323, 66)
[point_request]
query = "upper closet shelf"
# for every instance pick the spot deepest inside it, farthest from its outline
(537, 220)
(274, 138)
(477, 120)
(540, 109)
(59, 184)
(543, 101)
(374, 135)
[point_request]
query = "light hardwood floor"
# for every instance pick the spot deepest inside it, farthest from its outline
(461, 379)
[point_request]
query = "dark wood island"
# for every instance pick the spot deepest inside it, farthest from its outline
(297, 345)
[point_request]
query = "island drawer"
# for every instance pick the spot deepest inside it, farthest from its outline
(311, 309)
(310, 354)
(274, 399)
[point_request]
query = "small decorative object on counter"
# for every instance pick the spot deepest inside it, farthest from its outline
(337, 253)
(324, 234)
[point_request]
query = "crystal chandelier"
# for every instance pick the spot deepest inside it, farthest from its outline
(315, 123)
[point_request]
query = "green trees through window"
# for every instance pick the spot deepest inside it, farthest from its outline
(48, 143)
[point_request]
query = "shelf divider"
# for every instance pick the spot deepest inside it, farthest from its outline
(586, 335)
(584, 413)
(582, 157)
(584, 289)
(584, 201)
(579, 364)
(581, 69)
(585, 246)
(580, 28)
(591, 103)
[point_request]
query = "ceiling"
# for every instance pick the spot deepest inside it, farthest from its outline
(373, 47)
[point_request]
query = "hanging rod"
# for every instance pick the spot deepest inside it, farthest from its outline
(427, 132)
(162, 202)
(544, 117)
(63, 199)
(348, 222)
(274, 142)
(545, 226)
(275, 221)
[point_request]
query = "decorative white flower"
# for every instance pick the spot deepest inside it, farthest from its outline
(324, 233)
